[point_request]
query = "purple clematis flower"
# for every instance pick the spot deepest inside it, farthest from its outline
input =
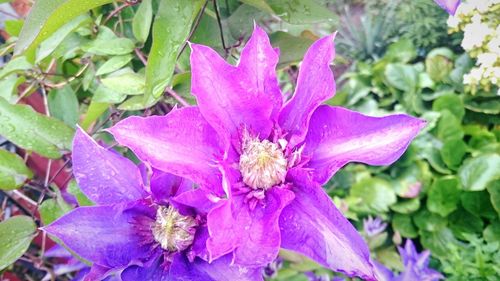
(137, 229)
(262, 160)
(416, 266)
(373, 226)
(449, 6)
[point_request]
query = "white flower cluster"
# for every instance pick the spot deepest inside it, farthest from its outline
(480, 22)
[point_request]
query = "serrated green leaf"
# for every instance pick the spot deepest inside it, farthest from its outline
(476, 173)
(33, 131)
(141, 23)
(13, 171)
(113, 64)
(444, 195)
(16, 234)
(171, 28)
(46, 17)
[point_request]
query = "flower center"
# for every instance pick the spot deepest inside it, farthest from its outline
(172, 230)
(262, 164)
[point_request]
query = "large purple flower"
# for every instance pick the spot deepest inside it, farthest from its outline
(449, 6)
(137, 227)
(270, 156)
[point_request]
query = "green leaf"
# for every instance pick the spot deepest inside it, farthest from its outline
(376, 194)
(438, 241)
(107, 43)
(449, 127)
(407, 206)
(128, 83)
(63, 105)
(292, 48)
(46, 17)
(428, 221)
(301, 11)
(13, 171)
(451, 102)
(96, 109)
(478, 203)
(402, 77)
(444, 195)
(401, 51)
(142, 21)
(15, 65)
(259, 4)
(171, 28)
(8, 86)
(75, 190)
(53, 208)
(462, 222)
(16, 234)
(13, 27)
(33, 131)
(404, 225)
(490, 106)
(452, 153)
(51, 43)
(492, 232)
(137, 103)
(494, 190)
(439, 64)
(476, 173)
(113, 64)
(104, 94)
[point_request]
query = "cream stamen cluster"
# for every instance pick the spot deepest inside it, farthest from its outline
(173, 231)
(262, 163)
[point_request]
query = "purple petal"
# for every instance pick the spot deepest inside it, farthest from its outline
(110, 236)
(383, 273)
(232, 97)
(165, 185)
(253, 234)
(315, 84)
(449, 5)
(181, 143)
(200, 199)
(314, 227)
(156, 271)
(218, 270)
(103, 175)
(338, 136)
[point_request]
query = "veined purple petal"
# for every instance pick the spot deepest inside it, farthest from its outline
(314, 227)
(106, 235)
(219, 270)
(200, 199)
(103, 175)
(231, 97)
(181, 143)
(253, 234)
(165, 185)
(449, 5)
(315, 84)
(156, 271)
(338, 136)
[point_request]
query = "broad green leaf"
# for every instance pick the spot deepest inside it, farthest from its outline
(13, 171)
(407, 206)
(51, 43)
(404, 225)
(292, 48)
(494, 190)
(127, 83)
(104, 94)
(33, 131)
(259, 4)
(376, 194)
(13, 27)
(63, 105)
(438, 242)
(401, 51)
(444, 195)
(53, 208)
(451, 102)
(75, 190)
(402, 77)
(142, 20)
(15, 65)
(439, 64)
(113, 64)
(476, 173)
(46, 17)
(449, 127)
(107, 43)
(16, 234)
(427, 221)
(8, 86)
(492, 232)
(490, 106)
(453, 152)
(301, 11)
(478, 203)
(171, 28)
(462, 222)
(137, 103)
(240, 23)
(95, 110)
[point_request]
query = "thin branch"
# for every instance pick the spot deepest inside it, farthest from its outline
(18, 205)
(141, 56)
(177, 97)
(220, 25)
(195, 26)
